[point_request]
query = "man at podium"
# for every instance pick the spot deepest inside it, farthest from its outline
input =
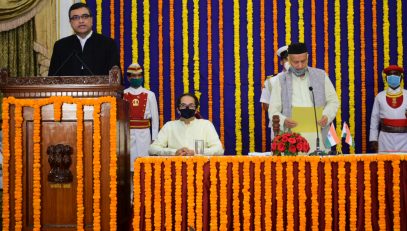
(85, 52)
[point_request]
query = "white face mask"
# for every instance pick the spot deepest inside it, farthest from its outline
(286, 66)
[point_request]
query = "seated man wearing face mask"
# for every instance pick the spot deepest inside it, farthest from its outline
(388, 124)
(292, 89)
(143, 113)
(178, 137)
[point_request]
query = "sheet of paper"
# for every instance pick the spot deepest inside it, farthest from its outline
(305, 118)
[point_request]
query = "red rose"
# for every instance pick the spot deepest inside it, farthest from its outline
(292, 149)
(274, 146)
(285, 138)
(281, 147)
(300, 146)
(306, 147)
(292, 140)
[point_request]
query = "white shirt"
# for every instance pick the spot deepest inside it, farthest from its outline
(83, 40)
(177, 134)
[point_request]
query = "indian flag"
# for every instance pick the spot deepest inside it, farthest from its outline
(332, 138)
(346, 134)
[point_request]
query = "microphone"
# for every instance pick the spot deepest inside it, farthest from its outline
(318, 151)
(63, 64)
(82, 62)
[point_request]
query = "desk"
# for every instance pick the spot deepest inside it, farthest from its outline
(271, 193)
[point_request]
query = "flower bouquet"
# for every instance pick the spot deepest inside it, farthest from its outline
(289, 144)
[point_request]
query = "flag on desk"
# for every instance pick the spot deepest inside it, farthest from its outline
(346, 134)
(332, 138)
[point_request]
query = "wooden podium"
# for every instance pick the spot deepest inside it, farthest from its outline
(58, 151)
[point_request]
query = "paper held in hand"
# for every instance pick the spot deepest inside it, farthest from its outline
(305, 118)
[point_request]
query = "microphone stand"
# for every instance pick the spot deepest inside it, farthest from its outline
(318, 151)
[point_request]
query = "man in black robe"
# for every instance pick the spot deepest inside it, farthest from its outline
(85, 52)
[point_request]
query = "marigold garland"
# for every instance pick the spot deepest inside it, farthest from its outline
(214, 196)
(113, 162)
(302, 195)
(79, 167)
(157, 194)
(37, 168)
(57, 111)
(223, 203)
(136, 196)
(290, 193)
(351, 68)
(367, 194)
(381, 186)
(326, 38)
(134, 25)
(185, 46)
(121, 34)
(6, 159)
(197, 91)
(363, 72)
(172, 58)
(191, 192)
(96, 168)
(210, 69)
(18, 191)
(328, 194)
(396, 194)
(160, 62)
(146, 43)
(386, 34)
(341, 193)
(275, 35)
(238, 100)
(99, 16)
(246, 196)
(199, 191)
(236, 193)
(167, 193)
(353, 194)
(338, 69)
(314, 191)
(314, 35)
(301, 20)
(268, 224)
(112, 19)
(178, 195)
(262, 72)
(400, 46)
(147, 194)
(250, 75)
(287, 21)
(374, 42)
(221, 76)
(279, 193)
(257, 193)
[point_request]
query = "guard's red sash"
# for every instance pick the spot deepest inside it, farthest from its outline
(137, 109)
(394, 102)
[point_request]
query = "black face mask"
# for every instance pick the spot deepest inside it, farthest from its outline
(187, 113)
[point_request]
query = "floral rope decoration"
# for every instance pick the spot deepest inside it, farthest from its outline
(314, 35)
(400, 47)
(301, 21)
(121, 33)
(178, 194)
(328, 193)
(381, 185)
(210, 68)
(223, 202)
(136, 196)
(396, 193)
(246, 196)
(275, 35)
(250, 75)
(99, 16)
(112, 20)
(185, 47)
(196, 49)
(326, 38)
(167, 195)
(157, 194)
(5, 215)
(18, 191)
(363, 72)
(367, 194)
(279, 193)
(314, 160)
(238, 100)
(113, 163)
(341, 193)
(214, 195)
(160, 62)
(79, 167)
(134, 24)
(302, 196)
(338, 78)
(96, 168)
(353, 194)
(287, 21)
(37, 168)
(257, 193)
(351, 67)
(267, 195)
(191, 192)
(374, 42)
(236, 193)
(199, 191)
(221, 76)
(146, 44)
(386, 34)
(172, 58)
(290, 193)
(262, 71)
(147, 192)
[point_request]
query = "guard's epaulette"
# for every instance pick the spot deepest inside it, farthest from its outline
(270, 76)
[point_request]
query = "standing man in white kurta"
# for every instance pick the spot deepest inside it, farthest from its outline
(143, 114)
(388, 124)
(292, 89)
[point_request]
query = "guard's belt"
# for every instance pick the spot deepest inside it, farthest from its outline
(139, 124)
(393, 125)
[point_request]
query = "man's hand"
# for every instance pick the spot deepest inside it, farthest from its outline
(184, 152)
(323, 121)
(289, 123)
(374, 146)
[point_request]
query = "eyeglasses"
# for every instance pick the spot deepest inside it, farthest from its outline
(190, 106)
(77, 17)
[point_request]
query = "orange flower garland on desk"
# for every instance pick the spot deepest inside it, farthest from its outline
(289, 144)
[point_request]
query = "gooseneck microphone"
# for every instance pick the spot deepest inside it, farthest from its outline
(82, 62)
(317, 151)
(63, 64)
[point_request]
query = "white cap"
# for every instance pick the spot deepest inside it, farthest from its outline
(134, 68)
(281, 50)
